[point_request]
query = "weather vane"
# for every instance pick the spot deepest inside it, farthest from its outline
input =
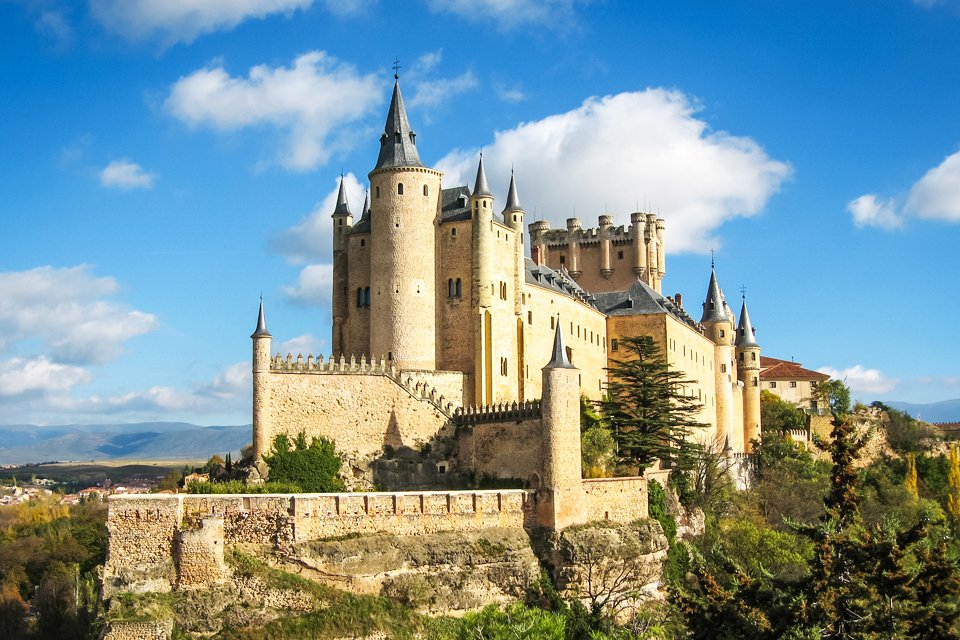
(712, 265)
(396, 68)
(743, 291)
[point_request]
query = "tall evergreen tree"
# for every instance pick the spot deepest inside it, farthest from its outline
(647, 408)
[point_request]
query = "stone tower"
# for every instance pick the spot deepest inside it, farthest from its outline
(718, 326)
(560, 409)
(748, 370)
(261, 370)
(481, 207)
(403, 217)
(342, 222)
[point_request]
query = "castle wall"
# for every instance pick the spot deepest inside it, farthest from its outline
(134, 546)
(509, 449)
(617, 499)
(585, 334)
(455, 340)
(504, 339)
(357, 332)
(361, 412)
(621, 275)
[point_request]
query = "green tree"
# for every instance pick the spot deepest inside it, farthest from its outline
(647, 407)
(778, 415)
(313, 466)
(835, 394)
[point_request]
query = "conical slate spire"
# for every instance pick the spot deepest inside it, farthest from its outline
(513, 200)
(261, 331)
(398, 143)
(559, 360)
(343, 207)
(714, 307)
(746, 334)
(365, 214)
(481, 188)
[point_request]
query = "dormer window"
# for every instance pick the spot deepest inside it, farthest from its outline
(398, 138)
(413, 137)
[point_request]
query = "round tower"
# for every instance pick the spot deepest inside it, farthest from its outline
(573, 240)
(560, 411)
(404, 207)
(748, 371)
(606, 223)
(481, 208)
(342, 223)
(638, 233)
(261, 399)
(513, 214)
(718, 327)
(538, 246)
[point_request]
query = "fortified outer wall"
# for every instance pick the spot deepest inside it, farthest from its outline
(617, 499)
(158, 541)
(361, 405)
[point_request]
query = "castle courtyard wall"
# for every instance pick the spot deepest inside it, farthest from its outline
(361, 412)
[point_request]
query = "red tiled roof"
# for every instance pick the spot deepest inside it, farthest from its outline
(776, 369)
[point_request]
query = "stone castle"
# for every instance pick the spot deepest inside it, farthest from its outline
(450, 340)
(439, 315)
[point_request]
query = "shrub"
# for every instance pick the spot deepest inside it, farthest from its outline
(313, 466)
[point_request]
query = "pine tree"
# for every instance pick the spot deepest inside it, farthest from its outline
(647, 409)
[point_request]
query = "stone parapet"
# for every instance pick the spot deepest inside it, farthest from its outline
(502, 412)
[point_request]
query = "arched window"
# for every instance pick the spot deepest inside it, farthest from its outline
(377, 191)
(459, 289)
(399, 188)
(426, 190)
(359, 297)
(366, 297)
(453, 232)
(450, 288)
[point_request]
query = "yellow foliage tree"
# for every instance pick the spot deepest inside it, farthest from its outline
(910, 481)
(953, 479)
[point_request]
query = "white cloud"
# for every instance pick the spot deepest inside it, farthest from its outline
(868, 211)
(615, 152)
(304, 344)
(23, 375)
(309, 102)
(510, 94)
(862, 380)
(431, 93)
(65, 310)
(184, 20)
(126, 175)
(310, 239)
(313, 286)
(54, 24)
(509, 14)
(937, 194)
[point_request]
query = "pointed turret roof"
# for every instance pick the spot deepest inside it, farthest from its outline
(746, 334)
(714, 307)
(398, 143)
(365, 214)
(261, 331)
(481, 188)
(343, 207)
(559, 359)
(513, 200)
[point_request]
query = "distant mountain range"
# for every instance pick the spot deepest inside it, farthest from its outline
(25, 443)
(945, 411)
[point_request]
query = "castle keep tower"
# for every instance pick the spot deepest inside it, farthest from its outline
(718, 327)
(481, 207)
(403, 218)
(261, 369)
(342, 223)
(748, 370)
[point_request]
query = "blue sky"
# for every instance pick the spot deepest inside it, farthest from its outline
(164, 162)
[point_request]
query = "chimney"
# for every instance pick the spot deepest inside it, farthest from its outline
(679, 299)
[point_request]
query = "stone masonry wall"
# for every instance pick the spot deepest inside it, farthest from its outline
(161, 540)
(502, 449)
(616, 499)
(154, 630)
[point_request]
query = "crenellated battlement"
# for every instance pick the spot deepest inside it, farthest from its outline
(416, 388)
(502, 412)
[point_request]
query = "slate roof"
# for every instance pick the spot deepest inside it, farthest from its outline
(560, 281)
(455, 204)
(746, 334)
(777, 369)
(715, 306)
(398, 146)
(559, 359)
(641, 299)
